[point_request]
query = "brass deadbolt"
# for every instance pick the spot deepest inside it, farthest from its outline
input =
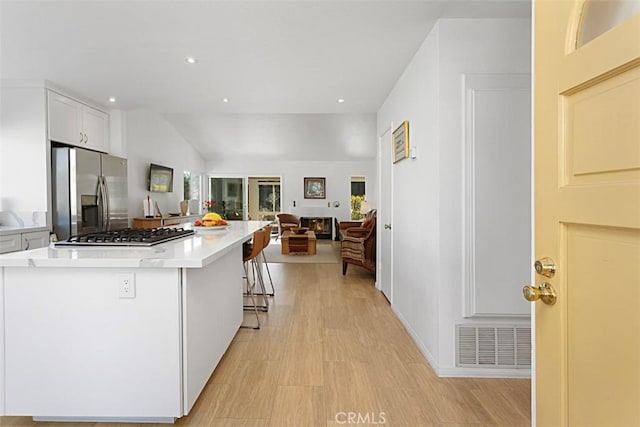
(545, 267)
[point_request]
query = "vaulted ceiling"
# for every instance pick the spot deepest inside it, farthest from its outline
(265, 57)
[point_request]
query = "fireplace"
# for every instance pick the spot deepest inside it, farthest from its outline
(321, 226)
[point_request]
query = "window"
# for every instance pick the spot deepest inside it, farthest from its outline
(192, 186)
(358, 195)
(226, 197)
(600, 16)
(269, 198)
(264, 198)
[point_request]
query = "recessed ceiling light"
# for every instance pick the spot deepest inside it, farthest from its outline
(225, 99)
(112, 99)
(340, 100)
(191, 60)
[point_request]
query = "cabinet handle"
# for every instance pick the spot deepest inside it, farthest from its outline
(81, 137)
(86, 138)
(26, 242)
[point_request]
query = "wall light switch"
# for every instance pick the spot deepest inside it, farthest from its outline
(413, 152)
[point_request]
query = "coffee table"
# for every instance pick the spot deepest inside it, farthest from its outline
(298, 243)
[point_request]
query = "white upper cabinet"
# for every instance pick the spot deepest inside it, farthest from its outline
(75, 123)
(95, 125)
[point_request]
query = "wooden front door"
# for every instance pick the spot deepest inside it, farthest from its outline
(587, 218)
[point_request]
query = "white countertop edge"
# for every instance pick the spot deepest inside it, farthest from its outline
(178, 257)
(6, 230)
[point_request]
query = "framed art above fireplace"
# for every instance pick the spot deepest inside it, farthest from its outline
(314, 188)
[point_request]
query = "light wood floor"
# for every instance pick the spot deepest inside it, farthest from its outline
(330, 346)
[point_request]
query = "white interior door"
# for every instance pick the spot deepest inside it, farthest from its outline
(385, 252)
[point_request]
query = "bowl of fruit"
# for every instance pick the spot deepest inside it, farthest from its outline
(211, 221)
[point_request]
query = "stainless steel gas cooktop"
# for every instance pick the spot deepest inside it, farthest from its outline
(127, 237)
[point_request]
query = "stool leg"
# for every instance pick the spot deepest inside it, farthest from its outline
(273, 291)
(263, 290)
(250, 287)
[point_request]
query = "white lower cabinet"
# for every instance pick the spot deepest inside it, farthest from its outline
(23, 241)
(10, 243)
(35, 240)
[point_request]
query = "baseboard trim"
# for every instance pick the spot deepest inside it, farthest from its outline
(483, 373)
(140, 420)
(416, 340)
(459, 372)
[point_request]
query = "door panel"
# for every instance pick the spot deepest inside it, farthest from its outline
(385, 217)
(600, 139)
(594, 255)
(114, 170)
(95, 124)
(87, 170)
(587, 218)
(64, 125)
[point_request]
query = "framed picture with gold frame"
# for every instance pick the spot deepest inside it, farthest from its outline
(314, 188)
(400, 139)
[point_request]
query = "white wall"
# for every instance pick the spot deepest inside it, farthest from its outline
(428, 253)
(151, 139)
(338, 181)
(24, 155)
(416, 189)
(292, 137)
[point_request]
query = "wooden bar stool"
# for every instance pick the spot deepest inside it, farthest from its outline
(250, 252)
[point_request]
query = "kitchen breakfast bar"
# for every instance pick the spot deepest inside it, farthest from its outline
(118, 334)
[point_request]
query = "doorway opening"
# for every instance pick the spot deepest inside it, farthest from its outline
(264, 201)
(358, 197)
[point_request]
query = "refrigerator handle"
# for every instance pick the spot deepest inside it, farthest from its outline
(99, 202)
(106, 207)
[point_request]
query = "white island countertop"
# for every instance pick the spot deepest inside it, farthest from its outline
(195, 251)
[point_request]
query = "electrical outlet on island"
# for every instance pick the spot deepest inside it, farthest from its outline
(126, 285)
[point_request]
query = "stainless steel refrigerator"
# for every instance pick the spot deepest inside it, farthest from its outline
(89, 191)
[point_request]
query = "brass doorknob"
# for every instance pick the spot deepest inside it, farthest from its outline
(544, 292)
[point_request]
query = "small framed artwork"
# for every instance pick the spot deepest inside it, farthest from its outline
(401, 142)
(314, 188)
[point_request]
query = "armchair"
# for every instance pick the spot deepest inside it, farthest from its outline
(359, 242)
(287, 221)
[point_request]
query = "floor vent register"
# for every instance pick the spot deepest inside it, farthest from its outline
(493, 346)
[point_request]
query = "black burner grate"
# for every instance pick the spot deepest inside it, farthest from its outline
(127, 237)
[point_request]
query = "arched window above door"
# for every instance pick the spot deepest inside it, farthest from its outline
(599, 16)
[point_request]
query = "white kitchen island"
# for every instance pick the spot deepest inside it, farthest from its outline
(72, 348)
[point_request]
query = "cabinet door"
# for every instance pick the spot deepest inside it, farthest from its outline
(35, 240)
(95, 124)
(10, 243)
(64, 120)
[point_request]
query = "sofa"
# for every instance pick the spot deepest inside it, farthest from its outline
(358, 242)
